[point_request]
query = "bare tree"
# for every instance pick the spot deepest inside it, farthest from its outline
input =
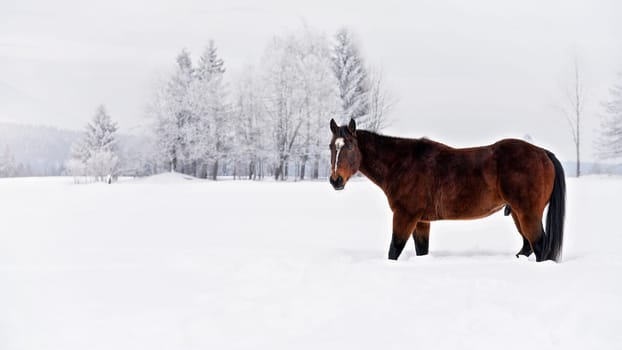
(252, 146)
(380, 102)
(300, 96)
(572, 108)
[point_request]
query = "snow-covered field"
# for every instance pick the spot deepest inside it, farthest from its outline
(168, 263)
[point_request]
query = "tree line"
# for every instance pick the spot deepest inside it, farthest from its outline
(271, 120)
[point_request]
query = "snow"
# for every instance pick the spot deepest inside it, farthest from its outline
(168, 263)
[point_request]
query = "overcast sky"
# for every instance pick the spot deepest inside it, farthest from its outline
(464, 72)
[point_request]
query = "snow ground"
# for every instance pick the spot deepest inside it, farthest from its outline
(169, 263)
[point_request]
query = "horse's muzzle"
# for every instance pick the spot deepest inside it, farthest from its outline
(337, 183)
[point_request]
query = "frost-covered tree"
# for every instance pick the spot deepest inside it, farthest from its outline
(281, 102)
(300, 97)
(320, 98)
(96, 153)
(76, 164)
(190, 111)
(251, 147)
(275, 120)
(209, 102)
(350, 71)
(101, 133)
(172, 113)
(609, 144)
(210, 65)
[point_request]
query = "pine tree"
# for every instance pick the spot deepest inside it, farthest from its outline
(351, 74)
(100, 133)
(96, 153)
(173, 113)
(209, 103)
(210, 64)
(609, 145)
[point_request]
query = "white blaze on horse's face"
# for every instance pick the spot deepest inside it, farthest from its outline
(339, 143)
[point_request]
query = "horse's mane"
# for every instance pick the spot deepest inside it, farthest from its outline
(381, 139)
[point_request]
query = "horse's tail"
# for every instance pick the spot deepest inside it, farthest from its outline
(554, 236)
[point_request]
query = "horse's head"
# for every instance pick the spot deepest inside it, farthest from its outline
(345, 155)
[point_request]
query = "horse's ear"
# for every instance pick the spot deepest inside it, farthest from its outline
(333, 126)
(352, 127)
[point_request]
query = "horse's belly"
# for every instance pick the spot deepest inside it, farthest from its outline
(461, 208)
(476, 214)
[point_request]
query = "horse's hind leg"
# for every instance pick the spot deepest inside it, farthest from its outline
(421, 236)
(526, 249)
(533, 231)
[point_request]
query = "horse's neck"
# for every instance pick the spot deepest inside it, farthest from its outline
(376, 151)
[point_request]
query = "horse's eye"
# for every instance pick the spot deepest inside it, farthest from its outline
(349, 146)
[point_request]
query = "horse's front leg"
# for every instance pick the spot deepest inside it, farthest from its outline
(403, 225)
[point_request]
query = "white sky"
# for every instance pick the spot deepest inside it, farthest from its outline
(464, 72)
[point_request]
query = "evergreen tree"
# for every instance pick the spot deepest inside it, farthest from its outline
(96, 153)
(210, 64)
(351, 74)
(100, 133)
(173, 113)
(209, 101)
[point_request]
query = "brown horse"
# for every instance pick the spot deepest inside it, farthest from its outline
(426, 181)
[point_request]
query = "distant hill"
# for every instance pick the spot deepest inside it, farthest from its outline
(41, 149)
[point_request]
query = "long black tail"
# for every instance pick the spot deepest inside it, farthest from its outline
(555, 216)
